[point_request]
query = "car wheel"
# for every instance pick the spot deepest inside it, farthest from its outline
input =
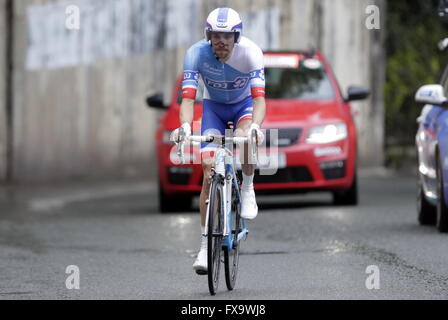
(349, 196)
(426, 211)
(177, 203)
(442, 209)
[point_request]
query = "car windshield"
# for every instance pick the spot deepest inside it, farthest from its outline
(302, 83)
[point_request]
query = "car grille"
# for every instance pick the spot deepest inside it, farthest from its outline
(333, 170)
(179, 179)
(286, 137)
(178, 176)
(285, 175)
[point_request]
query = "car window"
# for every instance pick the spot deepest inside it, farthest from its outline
(199, 94)
(302, 83)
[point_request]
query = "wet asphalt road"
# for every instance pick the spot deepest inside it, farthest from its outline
(300, 247)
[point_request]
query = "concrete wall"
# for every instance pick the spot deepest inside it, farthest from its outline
(357, 56)
(338, 29)
(79, 94)
(3, 80)
(81, 113)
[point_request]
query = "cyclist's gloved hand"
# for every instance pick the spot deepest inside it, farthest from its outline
(260, 134)
(175, 134)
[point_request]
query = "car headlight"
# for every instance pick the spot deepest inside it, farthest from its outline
(327, 134)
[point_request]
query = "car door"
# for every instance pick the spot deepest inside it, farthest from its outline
(427, 140)
(441, 127)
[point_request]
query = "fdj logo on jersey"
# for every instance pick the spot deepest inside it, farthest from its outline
(257, 74)
(190, 75)
(238, 83)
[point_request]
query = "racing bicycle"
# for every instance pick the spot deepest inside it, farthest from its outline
(225, 228)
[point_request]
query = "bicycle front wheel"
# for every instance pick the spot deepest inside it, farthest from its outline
(214, 237)
(231, 255)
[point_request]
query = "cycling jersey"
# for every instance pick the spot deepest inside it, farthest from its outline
(240, 76)
(228, 87)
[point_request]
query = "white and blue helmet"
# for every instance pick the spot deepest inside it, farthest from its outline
(224, 20)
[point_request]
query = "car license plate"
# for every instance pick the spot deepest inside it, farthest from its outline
(267, 161)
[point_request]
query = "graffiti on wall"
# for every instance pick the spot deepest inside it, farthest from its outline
(108, 29)
(121, 28)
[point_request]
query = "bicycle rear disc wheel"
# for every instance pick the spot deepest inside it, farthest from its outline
(214, 236)
(231, 255)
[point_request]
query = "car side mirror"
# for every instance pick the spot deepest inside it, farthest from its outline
(443, 10)
(357, 93)
(431, 94)
(156, 101)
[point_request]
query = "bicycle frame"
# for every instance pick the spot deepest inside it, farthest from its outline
(229, 182)
(224, 166)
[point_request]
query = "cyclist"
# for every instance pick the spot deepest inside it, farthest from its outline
(232, 69)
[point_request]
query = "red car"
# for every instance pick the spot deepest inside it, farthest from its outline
(316, 145)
